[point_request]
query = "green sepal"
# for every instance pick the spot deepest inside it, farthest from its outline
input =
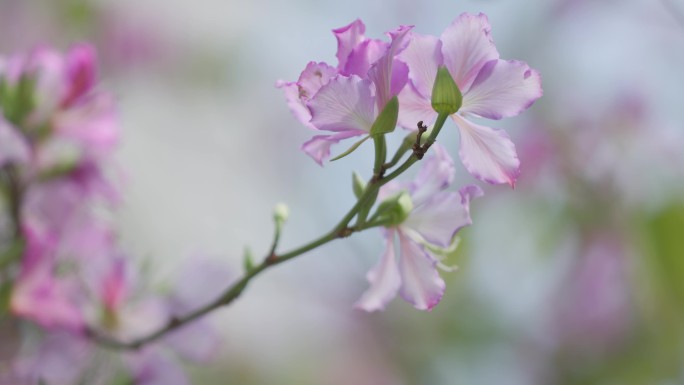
(248, 260)
(387, 120)
(394, 210)
(351, 149)
(446, 96)
(358, 185)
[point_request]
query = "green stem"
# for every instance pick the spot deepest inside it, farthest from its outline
(341, 230)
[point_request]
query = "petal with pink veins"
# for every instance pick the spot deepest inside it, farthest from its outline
(390, 75)
(440, 218)
(344, 104)
(467, 45)
(436, 174)
(414, 108)
(318, 147)
(348, 38)
(314, 76)
(384, 278)
(502, 89)
(488, 154)
(421, 284)
(423, 56)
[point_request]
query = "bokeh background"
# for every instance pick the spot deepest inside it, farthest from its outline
(574, 277)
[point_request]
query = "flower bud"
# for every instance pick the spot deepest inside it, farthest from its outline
(358, 185)
(280, 213)
(395, 209)
(446, 97)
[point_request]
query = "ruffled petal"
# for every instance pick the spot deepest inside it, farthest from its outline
(361, 59)
(356, 53)
(436, 174)
(314, 76)
(467, 45)
(423, 56)
(318, 147)
(390, 75)
(442, 216)
(348, 38)
(13, 146)
(344, 104)
(502, 89)
(296, 105)
(421, 284)
(414, 107)
(384, 279)
(488, 154)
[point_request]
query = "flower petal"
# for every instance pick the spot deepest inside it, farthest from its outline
(296, 105)
(348, 38)
(436, 174)
(442, 216)
(361, 59)
(384, 279)
(13, 147)
(502, 89)
(467, 45)
(388, 74)
(356, 53)
(314, 76)
(318, 147)
(423, 55)
(344, 104)
(413, 108)
(488, 154)
(421, 284)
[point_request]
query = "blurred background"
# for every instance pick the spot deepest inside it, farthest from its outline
(574, 277)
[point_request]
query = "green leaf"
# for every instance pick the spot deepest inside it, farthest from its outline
(387, 120)
(350, 150)
(358, 185)
(446, 97)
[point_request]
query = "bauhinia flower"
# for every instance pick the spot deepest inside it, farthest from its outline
(492, 88)
(347, 99)
(428, 221)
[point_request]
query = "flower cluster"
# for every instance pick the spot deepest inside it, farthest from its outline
(421, 80)
(61, 268)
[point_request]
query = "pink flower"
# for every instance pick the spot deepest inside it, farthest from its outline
(432, 224)
(347, 99)
(492, 88)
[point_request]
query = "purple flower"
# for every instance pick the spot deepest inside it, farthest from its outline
(347, 99)
(492, 88)
(431, 226)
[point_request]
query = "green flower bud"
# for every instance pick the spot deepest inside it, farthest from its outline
(387, 120)
(358, 185)
(446, 97)
(395, 209)
(280, 213)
